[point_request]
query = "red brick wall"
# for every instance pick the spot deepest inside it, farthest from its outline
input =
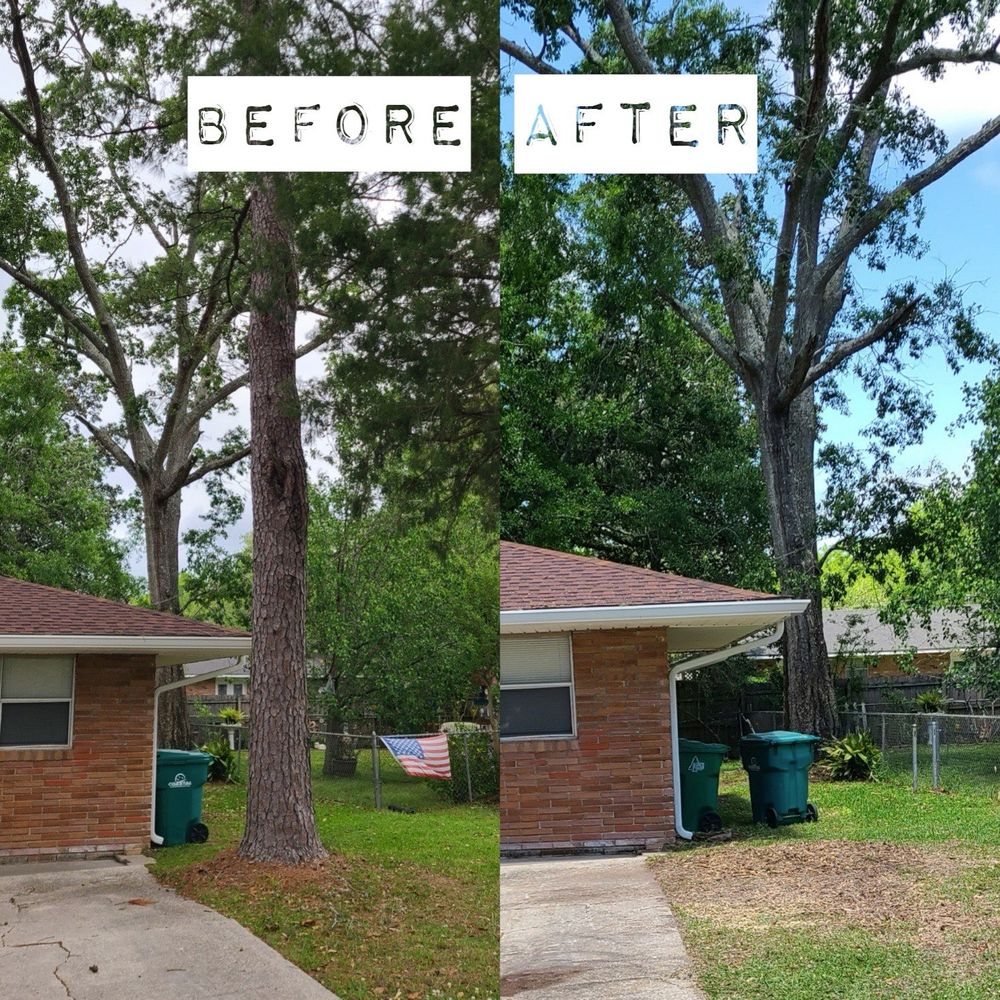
(95, 796)
(612, 786)
(203, 689)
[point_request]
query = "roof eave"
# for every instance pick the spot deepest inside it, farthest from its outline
(757, 612)
(167, 650)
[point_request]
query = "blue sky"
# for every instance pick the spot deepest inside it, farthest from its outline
(960, 226)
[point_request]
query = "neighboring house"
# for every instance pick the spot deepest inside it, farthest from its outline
(77, 683)
(858, 643)
(234, 685)
(586, 724)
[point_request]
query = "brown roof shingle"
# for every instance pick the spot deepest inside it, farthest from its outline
(533, 578)
(33, 609)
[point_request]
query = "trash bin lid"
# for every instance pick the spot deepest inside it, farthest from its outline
(695, 746)
(182, 757)
(780, 736)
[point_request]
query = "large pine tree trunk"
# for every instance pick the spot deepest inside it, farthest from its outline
(280, 823)
(162, 520)
(787, 439)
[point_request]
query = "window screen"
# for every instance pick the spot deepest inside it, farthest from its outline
(536, 686)
(36, 697)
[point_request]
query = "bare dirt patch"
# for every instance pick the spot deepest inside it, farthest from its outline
(892, 891)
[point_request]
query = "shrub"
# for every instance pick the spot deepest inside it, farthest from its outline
(225, 763)
(853, 757)
(930, 701)
(484, 768)
(232, 716)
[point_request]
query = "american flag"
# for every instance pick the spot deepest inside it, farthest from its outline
(421, 756)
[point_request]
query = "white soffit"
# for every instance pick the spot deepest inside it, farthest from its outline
(695, 626)
(168, 650)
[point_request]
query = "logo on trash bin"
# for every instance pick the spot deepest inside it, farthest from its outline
(180, 781)
(753, 765)
(696, 765)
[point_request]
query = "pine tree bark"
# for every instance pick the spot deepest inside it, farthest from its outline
(280, 823)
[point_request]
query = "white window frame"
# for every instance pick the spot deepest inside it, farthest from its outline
(222, 689)
(68, 745)
(571, 684)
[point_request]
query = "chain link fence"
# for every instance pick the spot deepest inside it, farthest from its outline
(958, 753)
(473, 758)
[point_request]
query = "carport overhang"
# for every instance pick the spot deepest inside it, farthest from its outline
(167, 650)
(717, 630)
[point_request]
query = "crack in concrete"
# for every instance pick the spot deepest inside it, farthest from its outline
(20, 907)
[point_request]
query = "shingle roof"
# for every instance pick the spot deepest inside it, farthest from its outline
(32, 609)
(533, 578)
(858, 630)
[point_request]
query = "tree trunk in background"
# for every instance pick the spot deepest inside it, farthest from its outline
(280, 824)
(334, 747)
(787, 438)
(162, 520)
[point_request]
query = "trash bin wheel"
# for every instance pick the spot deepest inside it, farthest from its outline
(197, 833)
(812, 813)
(710, 822)
(771, 817)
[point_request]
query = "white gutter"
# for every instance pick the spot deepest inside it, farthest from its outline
(696, 663)
(645, 615)
(184, 682)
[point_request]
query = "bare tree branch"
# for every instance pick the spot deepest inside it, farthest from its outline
(103, 437)
(842, 350)
(523, 55)
(707, 331)
(867, 223)
(635, 51)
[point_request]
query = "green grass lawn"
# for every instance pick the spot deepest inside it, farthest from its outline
(407, 907)
(891, 896)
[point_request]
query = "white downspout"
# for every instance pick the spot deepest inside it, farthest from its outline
(696, 663)
(183, 682)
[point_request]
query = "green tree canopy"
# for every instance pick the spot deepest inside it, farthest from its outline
(623, 434)
(57, 514)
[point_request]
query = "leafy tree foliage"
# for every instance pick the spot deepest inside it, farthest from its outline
(413, 397)
(402, 609)
(776, 264)
(622, 432)
(402, 612)
(57, 514)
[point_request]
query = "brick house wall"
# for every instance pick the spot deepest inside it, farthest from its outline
(611, 786)
(895, 665)
(95, 796)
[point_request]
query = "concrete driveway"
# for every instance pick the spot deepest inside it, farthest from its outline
(589, 929)
(108, 931)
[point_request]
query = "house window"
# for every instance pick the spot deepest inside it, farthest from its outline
(220, 689)
(536, 687)
(36, 701)
(238, 690)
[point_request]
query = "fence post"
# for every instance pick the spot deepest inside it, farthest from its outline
(914, 756)
(935, 755)
(376, 771)
(864, 716)
(883, 732)
(468, 772)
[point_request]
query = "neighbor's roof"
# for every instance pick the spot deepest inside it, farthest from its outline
(36, 618)
(543, 590)
(543, 578)
(858, 630)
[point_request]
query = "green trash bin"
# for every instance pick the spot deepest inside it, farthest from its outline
(778, 767)
(180, 775)
(700, 764)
